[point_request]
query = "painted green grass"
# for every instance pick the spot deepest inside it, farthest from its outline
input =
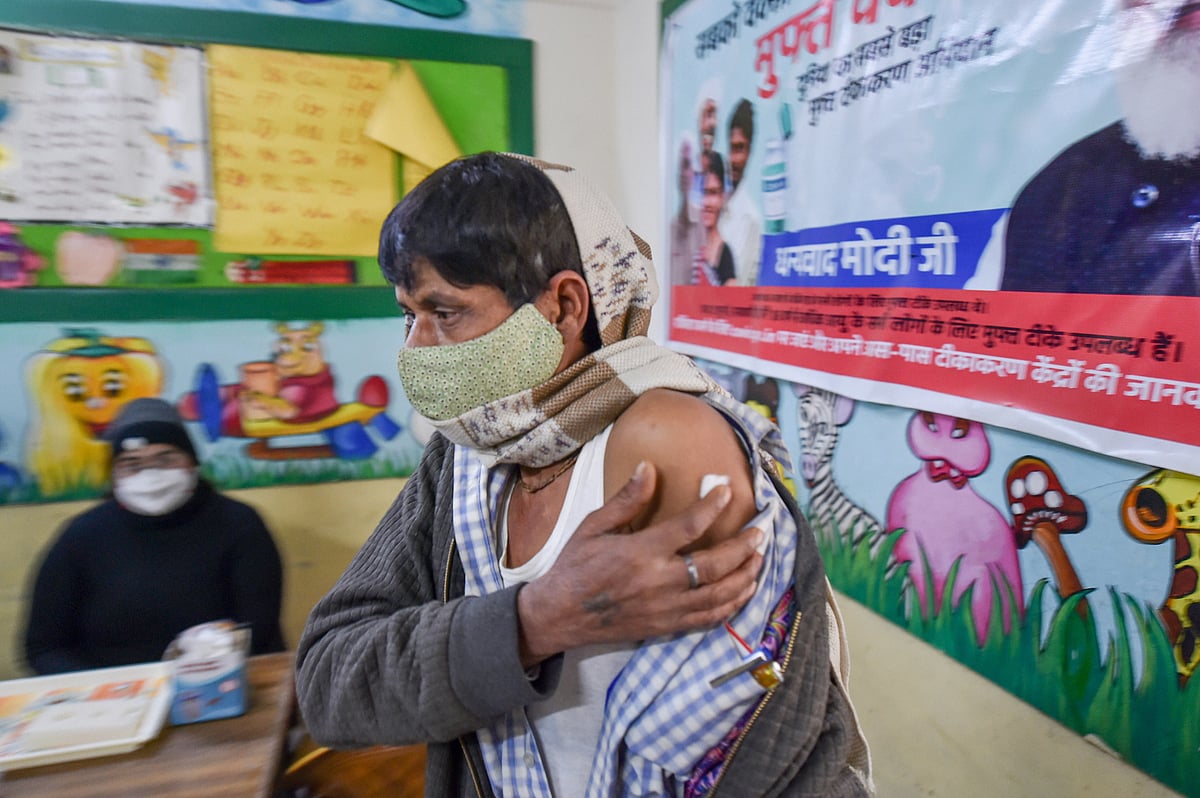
(231, 472)
(1064, 670)
(28, 493)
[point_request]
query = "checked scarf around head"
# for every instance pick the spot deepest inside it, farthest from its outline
(548, 422)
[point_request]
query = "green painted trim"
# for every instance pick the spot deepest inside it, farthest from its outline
(79, 305)
(520, 99)
(665, 9)
(197, 26)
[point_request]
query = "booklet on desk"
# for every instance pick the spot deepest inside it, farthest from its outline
(49, 719)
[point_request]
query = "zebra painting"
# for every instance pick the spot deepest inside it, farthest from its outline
(819, 413)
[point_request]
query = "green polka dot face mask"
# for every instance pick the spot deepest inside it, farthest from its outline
(443, 382)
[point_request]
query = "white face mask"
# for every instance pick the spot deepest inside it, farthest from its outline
(156, 491)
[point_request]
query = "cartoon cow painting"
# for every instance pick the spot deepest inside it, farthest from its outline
(946, 521)
(291, 394)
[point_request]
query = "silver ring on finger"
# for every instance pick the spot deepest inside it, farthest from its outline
(692, 571)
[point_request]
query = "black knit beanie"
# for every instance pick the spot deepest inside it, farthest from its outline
(146, 421)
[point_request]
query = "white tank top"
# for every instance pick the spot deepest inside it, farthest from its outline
(567, 724)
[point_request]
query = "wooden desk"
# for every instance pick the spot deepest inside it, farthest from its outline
(231, 758)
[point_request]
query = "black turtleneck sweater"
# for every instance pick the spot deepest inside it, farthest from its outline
(116, 587)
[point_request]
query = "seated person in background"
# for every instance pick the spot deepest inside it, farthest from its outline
(165, 552)
(544, 602)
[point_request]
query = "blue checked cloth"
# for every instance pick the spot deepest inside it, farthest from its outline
(661, 716)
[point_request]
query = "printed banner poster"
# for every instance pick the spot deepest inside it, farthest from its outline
(987, 209)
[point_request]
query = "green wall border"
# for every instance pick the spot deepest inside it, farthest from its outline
(174, 25)
(77, 305)
(669, 7)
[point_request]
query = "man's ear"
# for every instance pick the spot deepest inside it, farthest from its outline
(567, 303)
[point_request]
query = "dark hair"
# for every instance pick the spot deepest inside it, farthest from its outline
(716, 166)
(742, 119)
(487, 219)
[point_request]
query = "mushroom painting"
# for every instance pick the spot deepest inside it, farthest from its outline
(1043, 511)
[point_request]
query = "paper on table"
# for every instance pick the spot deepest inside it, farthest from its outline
(406, 120)
(90, 703)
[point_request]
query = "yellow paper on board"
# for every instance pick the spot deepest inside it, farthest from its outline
(412, 172)
(293, 172)
(407, 121)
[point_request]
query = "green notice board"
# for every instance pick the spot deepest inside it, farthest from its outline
(159, 269)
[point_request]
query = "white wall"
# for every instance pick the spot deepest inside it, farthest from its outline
(574, 84)
(596, 100)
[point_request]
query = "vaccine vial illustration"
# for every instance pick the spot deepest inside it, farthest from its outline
(774, 193)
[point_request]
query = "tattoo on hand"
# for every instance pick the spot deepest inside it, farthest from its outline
(603, 606)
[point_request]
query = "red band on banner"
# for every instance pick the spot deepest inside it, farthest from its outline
(1061, 355)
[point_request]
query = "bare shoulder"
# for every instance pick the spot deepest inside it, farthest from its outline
(685, 438)
(670, 421)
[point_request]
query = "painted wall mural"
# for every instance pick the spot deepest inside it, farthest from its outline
(77, 385)
(266, 402)
(292, 393)
(1067, 577)
(819, 414)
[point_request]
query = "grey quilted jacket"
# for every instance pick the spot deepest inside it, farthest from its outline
(395, 654)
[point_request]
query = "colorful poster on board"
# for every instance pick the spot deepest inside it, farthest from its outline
(988, 210)
(102, 131)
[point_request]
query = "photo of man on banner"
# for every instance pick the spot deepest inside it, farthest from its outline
(1118, 212)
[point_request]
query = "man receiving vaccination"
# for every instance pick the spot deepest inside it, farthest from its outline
(545, 602)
